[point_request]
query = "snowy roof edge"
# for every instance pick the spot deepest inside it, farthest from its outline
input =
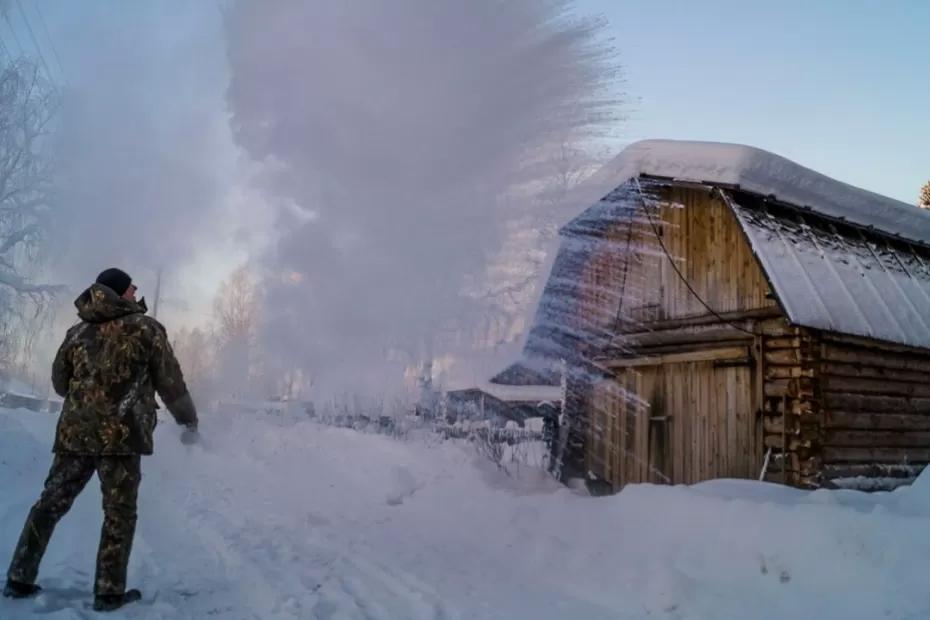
(761, 172)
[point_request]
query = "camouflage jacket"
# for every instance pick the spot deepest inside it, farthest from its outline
(108, 370)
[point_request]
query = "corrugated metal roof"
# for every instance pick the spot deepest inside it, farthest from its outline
(844, 280)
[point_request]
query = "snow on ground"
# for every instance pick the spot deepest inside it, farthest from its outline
(273, 517)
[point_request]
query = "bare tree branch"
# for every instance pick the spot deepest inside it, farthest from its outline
(21, 285)
(18, 237)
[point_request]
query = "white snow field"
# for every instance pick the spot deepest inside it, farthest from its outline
(274, 517)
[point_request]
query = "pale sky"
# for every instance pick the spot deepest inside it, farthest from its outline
(840, 86)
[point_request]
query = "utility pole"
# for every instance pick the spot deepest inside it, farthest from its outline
(157, 293)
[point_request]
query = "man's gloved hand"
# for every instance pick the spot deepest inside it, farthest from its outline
(190, 434)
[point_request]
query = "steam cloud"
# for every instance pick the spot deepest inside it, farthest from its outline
(396, 140)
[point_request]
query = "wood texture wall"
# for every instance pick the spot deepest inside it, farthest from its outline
(709, 249)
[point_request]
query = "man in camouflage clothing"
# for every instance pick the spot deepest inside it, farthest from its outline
(108, 370)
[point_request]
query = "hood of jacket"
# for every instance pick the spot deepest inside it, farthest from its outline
(99, 304)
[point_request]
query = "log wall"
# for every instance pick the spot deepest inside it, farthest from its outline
(876, 409)
(790, 403)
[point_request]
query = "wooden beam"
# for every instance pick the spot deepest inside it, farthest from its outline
(871, 372)
(738, 316)
(777, 327)
(876, 455)
(876, 421)
(876, 359)
(726, 353)
(875, 403)
(782, 343)
(710, 334)
(871, 344)
(873, 438)
(871, 470)
(666, 349)
(879, 387)
(789, 443)
(786, 372)
(783, 357)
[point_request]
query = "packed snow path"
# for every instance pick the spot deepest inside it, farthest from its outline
(280, 518)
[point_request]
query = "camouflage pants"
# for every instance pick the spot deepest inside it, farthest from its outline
(119, 482)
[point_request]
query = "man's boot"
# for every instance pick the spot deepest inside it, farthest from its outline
(109, 602)
(15, 589)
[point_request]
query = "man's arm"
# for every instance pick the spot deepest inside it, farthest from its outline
(169, 381)
(62, 368)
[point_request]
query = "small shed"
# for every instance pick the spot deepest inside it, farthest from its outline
(502, 403)
(725, 312)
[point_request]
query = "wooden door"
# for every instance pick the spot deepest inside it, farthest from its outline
(675, 419)
(712, 422)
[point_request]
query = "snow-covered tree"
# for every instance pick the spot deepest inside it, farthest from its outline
(196, 351)
(924, 200)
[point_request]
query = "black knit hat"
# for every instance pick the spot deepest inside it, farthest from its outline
(116, 279)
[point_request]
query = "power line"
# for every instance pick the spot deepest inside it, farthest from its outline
(49, 37)
(35, 41)
(6, 50)
(9, 25)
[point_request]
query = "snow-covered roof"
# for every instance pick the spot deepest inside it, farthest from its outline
(825, 275)
(763, 173)
(519, 393)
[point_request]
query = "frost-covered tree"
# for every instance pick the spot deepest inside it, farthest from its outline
(924, 200)
(196, 351)
(27, 107)
(236, 313)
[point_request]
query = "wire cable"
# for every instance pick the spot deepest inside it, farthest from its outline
(49, 37)
(681, 276)
(626, 270)
(35, 42)
(6, 50)
(9, 25)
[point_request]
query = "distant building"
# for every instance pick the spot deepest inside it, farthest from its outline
(501, 403)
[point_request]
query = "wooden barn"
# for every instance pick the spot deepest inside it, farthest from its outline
(725, 312)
